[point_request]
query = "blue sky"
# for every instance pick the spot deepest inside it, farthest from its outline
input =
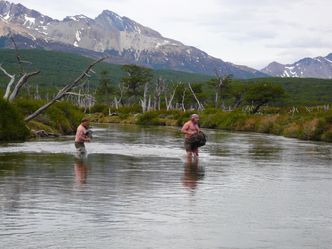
(249, 32)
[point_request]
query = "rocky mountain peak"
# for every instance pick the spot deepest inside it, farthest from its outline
(317, 67)
(110, 19)
(121, 38)
(77, 18)
(275, 63)
(19, 14)
(329, 57)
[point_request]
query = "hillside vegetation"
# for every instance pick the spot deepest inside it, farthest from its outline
(58, 68)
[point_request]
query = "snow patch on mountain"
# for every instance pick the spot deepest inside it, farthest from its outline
(7, 16)
(328, 60)
(29, 20)
(317, 67)
(160, 44)
(78, 38)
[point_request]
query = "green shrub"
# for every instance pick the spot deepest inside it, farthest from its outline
(148, 118)
(63, 116)
(232, 120)
(100, 108)
(12, 126)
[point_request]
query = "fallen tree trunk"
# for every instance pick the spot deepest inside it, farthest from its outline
(64, 91)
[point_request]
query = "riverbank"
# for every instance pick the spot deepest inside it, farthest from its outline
(60, 119)
(304, 124)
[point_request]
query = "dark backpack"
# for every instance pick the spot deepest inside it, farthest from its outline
(198, 140)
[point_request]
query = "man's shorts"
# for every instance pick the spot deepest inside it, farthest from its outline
(80, 147)
(188, 146)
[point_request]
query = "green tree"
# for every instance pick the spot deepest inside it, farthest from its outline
(221, 87)
(136, 79)
(105, 89)
(260, 94)
(237, 92)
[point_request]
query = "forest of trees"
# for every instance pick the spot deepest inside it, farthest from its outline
(140, 87)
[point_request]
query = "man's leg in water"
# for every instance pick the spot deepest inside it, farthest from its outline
(189, 154)
(195, 151)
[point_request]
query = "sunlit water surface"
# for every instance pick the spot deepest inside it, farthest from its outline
(136, 190)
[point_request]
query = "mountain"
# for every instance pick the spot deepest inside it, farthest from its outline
(121, 38)
(318, 67)
(57, 68)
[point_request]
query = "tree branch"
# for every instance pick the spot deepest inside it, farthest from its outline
(200, 106)
(79, 94)
(64, 90)
(22, 81)
(18, 57)
(11, 82)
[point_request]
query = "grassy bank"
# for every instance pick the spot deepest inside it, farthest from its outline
(305, 125)
(62, 118)
(12, 126)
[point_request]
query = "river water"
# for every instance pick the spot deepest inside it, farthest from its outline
(136, 190)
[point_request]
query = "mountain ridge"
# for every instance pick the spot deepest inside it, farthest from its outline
(316, 67)
(121, 38)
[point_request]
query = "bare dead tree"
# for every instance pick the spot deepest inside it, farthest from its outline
(144, 100)
(83, 100)
(10, 83)
(36, 93)
(23, 79)
(65, 91)
(200, 105)
(117, 102)
(220, 84)
(149, 107)
(183, 98)
(10, 94)
(159, 89)
(169, 99)
(18, 57)
(21, 82)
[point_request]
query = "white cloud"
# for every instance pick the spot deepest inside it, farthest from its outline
(251, 32)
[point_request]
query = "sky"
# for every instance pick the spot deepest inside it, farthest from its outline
(246, 32)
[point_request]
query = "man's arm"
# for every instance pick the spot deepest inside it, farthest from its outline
(185, 128)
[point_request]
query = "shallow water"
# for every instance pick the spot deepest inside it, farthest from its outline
(136, 190)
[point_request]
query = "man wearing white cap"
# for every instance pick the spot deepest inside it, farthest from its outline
(189, 129)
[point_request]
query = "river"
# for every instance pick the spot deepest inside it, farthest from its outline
(136, 190)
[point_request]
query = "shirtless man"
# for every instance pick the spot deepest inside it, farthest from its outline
(81, 136)
(190, 128)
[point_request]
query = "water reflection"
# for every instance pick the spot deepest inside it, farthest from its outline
(266, 151)
(81, 171)
(143, 189)
(193, 173)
